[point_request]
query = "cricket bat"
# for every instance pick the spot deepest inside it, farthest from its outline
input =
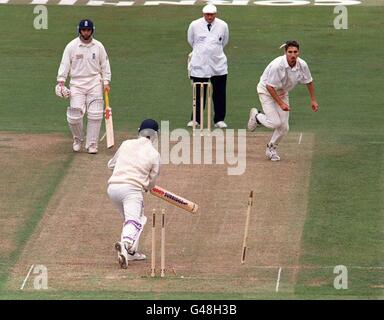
(174, 199)
(108, 122)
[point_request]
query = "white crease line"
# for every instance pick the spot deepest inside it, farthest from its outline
(26, 278)
(301, 136)
(278, 280)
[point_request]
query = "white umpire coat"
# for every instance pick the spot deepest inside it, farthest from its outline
(86, 63)
(208, 57)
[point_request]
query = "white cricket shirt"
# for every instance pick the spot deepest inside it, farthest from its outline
(136, 162)
(282, 77)
(208, 57)
(86, 63)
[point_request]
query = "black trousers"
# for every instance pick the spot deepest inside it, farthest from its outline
(219, 96)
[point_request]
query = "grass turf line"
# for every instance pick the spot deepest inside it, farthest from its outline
(23, 233)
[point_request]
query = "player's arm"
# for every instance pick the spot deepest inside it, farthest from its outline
(275, 96)
(112, 162)
(154, 173)
(64, 67)
(226, 35)
(105, 69)
(190, 35)
(311, 90)
(62, 74)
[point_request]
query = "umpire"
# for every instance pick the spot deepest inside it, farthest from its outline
(208, 36)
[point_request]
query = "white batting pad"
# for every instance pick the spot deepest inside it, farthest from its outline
(93, 131)
(136, 243)
(95, 116)
(75, 122)
(95, 109)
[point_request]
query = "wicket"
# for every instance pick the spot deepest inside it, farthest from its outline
(162, 252)
(153, 252)
(244, 248)
(203, 98)
(162, 244)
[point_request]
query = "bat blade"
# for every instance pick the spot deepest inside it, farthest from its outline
(174, 199)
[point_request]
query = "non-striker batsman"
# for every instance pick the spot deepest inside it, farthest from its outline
(85, 61)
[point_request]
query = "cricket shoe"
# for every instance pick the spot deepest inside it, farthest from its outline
(136, 256)
(76, 145)
(122, 253)
(92, 149)
(253, 122)
(221, 125)
(190, 124)
(271, 153)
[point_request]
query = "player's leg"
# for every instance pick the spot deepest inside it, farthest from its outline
(116, 193)
(75, 114)
(129, 201)
(271, 117)
(134, 253)
(279, 132)
(95, 111)
(134, 221)
(219, 85)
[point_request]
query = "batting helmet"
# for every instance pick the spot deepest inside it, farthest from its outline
(149, 124)
(85, 24)
(149, 129)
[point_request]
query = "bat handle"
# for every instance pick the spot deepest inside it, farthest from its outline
(106, 95)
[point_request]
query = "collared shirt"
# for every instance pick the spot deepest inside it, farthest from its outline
(136, 162)
(279, 75)
(208, 58)
(86, 63)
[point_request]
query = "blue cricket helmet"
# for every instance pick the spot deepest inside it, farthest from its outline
(149, 129)
(85, 24)
(149, 124)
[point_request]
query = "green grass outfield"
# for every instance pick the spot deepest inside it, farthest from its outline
(147, 48)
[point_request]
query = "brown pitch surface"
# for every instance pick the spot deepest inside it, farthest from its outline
(75, 237)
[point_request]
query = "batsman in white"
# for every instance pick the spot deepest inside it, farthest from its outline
(278, 79)
(136, 166)
(86, 62)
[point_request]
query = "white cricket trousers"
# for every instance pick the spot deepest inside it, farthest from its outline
(274, 117)
(128, 199)
(88, 100)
